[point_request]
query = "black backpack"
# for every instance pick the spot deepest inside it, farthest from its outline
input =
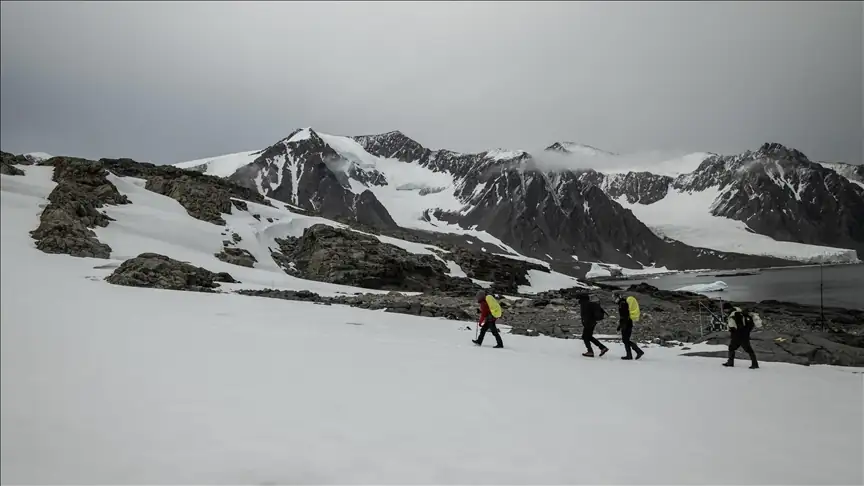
(748, 320)
(597, 311)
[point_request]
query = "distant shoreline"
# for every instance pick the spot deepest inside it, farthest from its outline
(739, 272)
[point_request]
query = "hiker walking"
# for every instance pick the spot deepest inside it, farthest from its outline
(740, 324)
(490, 311)
(591, 313)
(628, 313)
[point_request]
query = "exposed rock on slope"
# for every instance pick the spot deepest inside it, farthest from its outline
(12, 159)
(204, 197)
(506, 274)
(342, 256)
(82, 189)
(237, 256)
(158, 271)
(9, 169)
(305, 171)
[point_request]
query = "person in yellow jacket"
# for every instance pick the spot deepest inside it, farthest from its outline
(628, 313)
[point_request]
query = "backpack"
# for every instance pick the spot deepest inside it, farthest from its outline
(633, 305)
(598, 311)
(757, 321)
(752, 321)
(494, 307)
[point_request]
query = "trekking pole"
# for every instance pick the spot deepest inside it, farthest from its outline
(476, 331)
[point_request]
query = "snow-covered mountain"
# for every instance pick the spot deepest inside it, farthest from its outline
(702, 211)
(768, 201)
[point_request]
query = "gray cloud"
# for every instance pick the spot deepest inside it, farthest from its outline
(172, 81)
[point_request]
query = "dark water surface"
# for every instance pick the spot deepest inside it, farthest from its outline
(842, 285)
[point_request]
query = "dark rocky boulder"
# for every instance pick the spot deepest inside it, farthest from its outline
(60, 232)
(202, 201)
(161, 272)
(342, 256)
(237, 256)
(11, 159)
(7, 167)
(82, 189)
(506, 274)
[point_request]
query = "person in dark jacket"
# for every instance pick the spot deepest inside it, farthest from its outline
(589, 311)
(487, 321)
(740, 325)
(625, 325)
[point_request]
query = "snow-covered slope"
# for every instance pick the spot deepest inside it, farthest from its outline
(159, 224)
(109, 384)
(37, 156)
(223, 165)
(854, 173)
(686, 217)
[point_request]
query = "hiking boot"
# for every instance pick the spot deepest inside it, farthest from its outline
(640, 354)
(498, 346)
(728, 364)
(754, 366)
(588, 354)
(627, 358)
(475, 342)
(603, 351)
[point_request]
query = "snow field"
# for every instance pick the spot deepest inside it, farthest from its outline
(111, 384)
(686, 217)
(223, 165)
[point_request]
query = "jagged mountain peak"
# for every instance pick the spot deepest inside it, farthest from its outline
(393, 144)
(576, 148)
(500, 154)
(780, 151)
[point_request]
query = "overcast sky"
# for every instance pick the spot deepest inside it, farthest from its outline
(173, 81)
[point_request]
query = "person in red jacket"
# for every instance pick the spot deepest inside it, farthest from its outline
(487, 321)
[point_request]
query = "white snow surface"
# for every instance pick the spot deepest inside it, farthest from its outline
(598, 271)
(38, 156)
(107, 384)
(223, 165)
(502, 154)
(686, 217)
(717, 286)
(845, 170)
(401, 196)
(546, 281)
(302, 134)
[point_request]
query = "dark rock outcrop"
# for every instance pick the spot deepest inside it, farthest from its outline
(202, 201)
(506, 274)
(161, 272)
(342, 256)
(82, 188)
(203, 196)
(9, 169)
(237, 256)
(12, 159)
